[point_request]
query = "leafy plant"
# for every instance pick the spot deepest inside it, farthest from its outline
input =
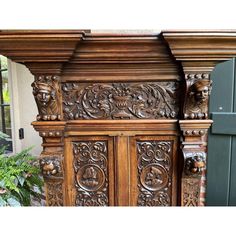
(19, 178)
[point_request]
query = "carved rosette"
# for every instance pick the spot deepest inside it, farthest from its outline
(154, 173)
(91, 173)
(47, 93)
(198, 92)
(121, 100)
(52, 171)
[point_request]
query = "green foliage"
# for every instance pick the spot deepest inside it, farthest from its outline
(19, 179)
(6, 95)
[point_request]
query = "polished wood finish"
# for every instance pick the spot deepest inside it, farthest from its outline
(123, 117)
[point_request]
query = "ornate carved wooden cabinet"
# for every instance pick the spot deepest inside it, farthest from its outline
(123, 118)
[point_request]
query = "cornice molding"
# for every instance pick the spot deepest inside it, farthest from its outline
(201, 50)
(78, 51)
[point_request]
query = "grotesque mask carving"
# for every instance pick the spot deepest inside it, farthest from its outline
(195, 164)
(197, 103)
(46, 93)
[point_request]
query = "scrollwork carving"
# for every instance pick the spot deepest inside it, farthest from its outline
(90, 166)
(54, 194)
(46, 91)
(197, 99)
(191, 192)
(154, 173)
(121, 100)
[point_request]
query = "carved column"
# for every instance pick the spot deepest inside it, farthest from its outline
(47, 93)
(194, 147)
(194, 140)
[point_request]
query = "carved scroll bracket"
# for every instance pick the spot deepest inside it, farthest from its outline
(194, 154)
(47, 93)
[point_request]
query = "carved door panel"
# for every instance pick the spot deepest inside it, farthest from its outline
(121, 170)
(90, 171)
(153, 171)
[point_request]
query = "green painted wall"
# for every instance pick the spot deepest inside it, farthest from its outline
(221, 173)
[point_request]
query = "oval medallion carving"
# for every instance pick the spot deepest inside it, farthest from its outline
(90, 177)
(154, 177)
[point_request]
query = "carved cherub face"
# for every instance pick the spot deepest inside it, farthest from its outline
(201, 90)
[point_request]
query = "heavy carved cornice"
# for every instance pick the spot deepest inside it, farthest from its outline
(40, 50)
(78, 52)
(201, 50)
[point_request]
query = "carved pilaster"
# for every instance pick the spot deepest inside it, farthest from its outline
(198, 90)
(52, 161)
(47, 93)
(194, 153)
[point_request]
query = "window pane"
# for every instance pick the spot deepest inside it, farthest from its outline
(3, 62)
(5, 118)
(5, 88)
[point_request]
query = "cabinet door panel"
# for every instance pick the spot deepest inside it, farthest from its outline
(153, 176)
(91, 165)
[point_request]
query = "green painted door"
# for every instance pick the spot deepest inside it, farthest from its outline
(221, 173)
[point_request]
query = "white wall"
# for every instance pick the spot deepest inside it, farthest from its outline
(24, 108)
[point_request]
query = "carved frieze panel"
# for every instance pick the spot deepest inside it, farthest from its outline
(199, 89)
(154, 100)
(91, 173)
(47, 93)
(154, 173)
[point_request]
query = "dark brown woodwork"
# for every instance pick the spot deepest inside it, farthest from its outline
(115, 111)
